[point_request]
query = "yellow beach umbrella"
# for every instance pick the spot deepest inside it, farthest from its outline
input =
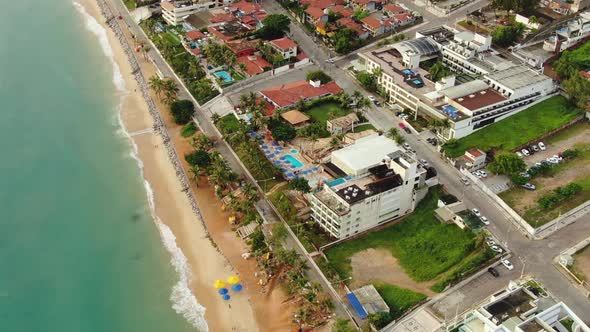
(219, 284)
(233, 280)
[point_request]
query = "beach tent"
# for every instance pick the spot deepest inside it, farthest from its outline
(233, 280)
(223, 291)
(236, 287)
(226, 297)
(219, 284)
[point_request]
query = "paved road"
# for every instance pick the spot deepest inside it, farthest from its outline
(535, 255)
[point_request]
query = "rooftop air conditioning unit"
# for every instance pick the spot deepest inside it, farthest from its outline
(354, 194)
(471, 96)
(460, 99)
(367, 192)
(347, 197)
(483, 92)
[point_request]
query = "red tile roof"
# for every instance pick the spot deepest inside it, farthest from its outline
(480, 99)
(194, 35)
(585, 74)
(403, 17)
(300, 56)
(254, 64)
(372, 22)
(245, 7)
(288, 94)
(394, 8)
(283, 43)
(322, 3)
(350, 23)
(195, 51)
(340, 9)
(475, 152)
(315, 12)
(219, 18)
(364, 2)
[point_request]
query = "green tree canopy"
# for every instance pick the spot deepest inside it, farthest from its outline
(505, 36)
(519, 6)
(508, 163)
(318, 75)
(368, 80)
(274, 26)
(182, 111)
(345, 40)
(283, 132)
(300, 184)
(578, 90)
(342, 325)
(438, 71)
(198, 158)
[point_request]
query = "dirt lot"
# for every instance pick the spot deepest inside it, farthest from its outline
(576, 170)
(582, 263)
(379, 264)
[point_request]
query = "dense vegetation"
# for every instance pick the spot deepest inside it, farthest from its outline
(182, 111)
(398, 299)
(568, 67)
(424, 246)
(505, 36)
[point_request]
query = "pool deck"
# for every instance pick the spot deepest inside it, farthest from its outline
(277, 154)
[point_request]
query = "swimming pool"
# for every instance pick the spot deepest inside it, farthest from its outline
(294, 151)
(336, 182)
(293, 161)
(224, 76)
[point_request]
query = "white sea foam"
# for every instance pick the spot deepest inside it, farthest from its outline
(93, 26)
(183, 300)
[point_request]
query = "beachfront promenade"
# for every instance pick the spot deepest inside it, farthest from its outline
(203, 121)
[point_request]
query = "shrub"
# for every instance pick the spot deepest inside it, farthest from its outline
(368, 80)
(188, 130)
(257, 243)
(570, 153)
(300, 184)
(182, 111)
(380, 319)
(559, 194)
(199, 158)
(283, 132)
(318, 75)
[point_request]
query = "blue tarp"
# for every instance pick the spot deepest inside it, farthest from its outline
(356, 305)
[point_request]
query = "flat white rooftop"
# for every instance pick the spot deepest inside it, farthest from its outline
(365, 152)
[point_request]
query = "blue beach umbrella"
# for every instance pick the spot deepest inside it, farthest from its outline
(237, 287)
(222, 291)
(226, 297)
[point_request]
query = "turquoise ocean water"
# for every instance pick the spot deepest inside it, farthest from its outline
(79, 250)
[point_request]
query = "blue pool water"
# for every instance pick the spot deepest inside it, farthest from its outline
(224, 76)
(293, 161)
(336, 182)
(294, 151)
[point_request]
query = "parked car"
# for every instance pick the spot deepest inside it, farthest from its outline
(497, 249)
(490, 242)
(402, 126)
(465, 181)
(529, 186)
(398, 114)
(525, 152)
(372, 98)
(519, 154)
(376, 102)
(476, 173)
(406, 146)
(424, 162)
(535, 148)
(483, 173)
(530, 149)
(494, 272)
(484, 220)
(476, 212)
(542, 146)
(507, 264)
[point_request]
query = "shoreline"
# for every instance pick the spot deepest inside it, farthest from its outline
(194, 256)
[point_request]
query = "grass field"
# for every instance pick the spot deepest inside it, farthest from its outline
(398, 299)
(130, 4)
(322, 112)
(520, 128)
(425, 247)
(364, 127)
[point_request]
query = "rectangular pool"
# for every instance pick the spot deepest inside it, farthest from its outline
(293, 161)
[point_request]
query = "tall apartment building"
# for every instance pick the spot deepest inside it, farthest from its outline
(569, 34)
(483, 89)
(175, 12)
(517, 309)
(378, 182)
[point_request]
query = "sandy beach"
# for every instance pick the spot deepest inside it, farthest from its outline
(172, 207)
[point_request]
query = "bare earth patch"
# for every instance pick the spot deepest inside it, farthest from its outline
(378, 264)
(582, 262)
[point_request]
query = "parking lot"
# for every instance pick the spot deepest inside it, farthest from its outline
(476, 291)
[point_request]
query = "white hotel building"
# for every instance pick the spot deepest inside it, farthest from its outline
(175, 12)
(518, 309)
(485, 88)
(379, 182)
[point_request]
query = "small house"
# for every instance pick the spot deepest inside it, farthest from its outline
(475, 158)
(342, 124)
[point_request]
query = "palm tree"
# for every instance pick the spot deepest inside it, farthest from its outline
(335, 142)
(215, 117)
(145, 50)
(156, 84)
(242, 68)
(399, 139)
(392, 133)
(250, 192)
(195, 171)
(170, 91)
(533, 19)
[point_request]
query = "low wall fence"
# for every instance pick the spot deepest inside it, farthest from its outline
(565, 219)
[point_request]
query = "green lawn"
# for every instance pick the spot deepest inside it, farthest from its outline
(130, 4)
(398, 299)
(188, 130)
(424, 246)
(322, 112)
(364, 127)
(520, 128)
(228, 124)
